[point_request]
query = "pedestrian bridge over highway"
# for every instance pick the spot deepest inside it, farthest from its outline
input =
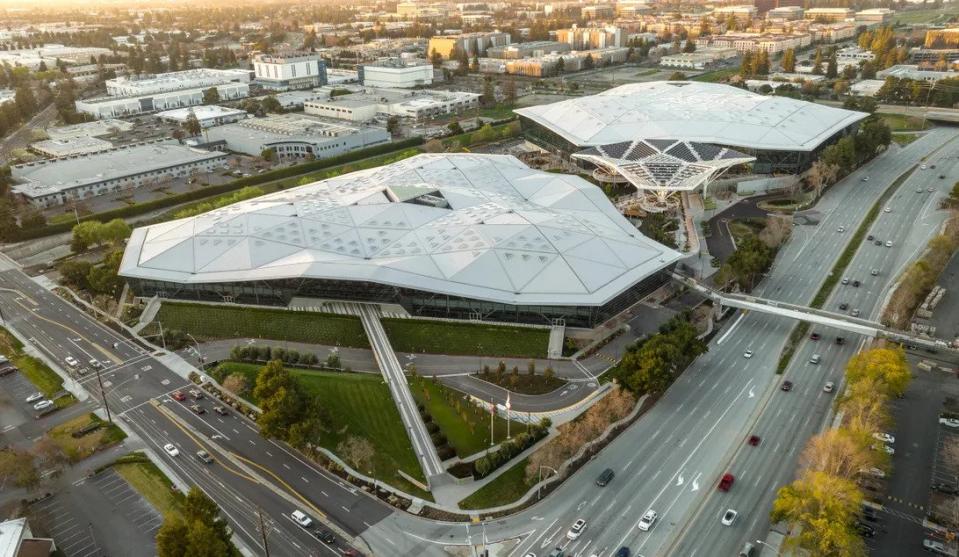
(811, 315)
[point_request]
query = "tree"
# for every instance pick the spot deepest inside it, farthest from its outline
(436, 58)
(74, 272)
(888, 366)
(560, 65)
(171, 538)
(393, 125)
(280, 399)
(114, 232)
(25, 102)
(434, 146)
(358, 452)
(268, 154)
(838, 452)
(484, 134)
(211, 96)
(817, 62)
(85, 235)
(18, 467)
(751, 258)
(235, 383)
(199, 532)
(509, 91)
(192, 125)
(588, 62)
(489, 91)
(271, 105)
(832, 67)
(826, 508)
(690, 46)
(789, 60)
(677, 76)
(455, 128)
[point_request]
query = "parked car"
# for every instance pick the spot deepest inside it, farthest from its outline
(729, 517)
(171, 449)
(949, 422)
(874, 472)
(577, 529)
(884, 437)
(726, 482)
(300, 518)
(34, 397)
(947, 488)
(882, 447)
(647, 521)
(95, 363)
(42, 405)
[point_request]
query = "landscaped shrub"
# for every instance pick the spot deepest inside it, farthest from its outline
(485, 465)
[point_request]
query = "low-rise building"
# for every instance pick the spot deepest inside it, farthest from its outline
(854, 54)
(75, 178)
(201, 78)
(58, 148)
(699, 60)
(547, 65)
(17, 540)
(832, 32)
(292, 70)
(207, 115)
(337, 76)
(531, 49)
(90, 129)
(866, 87)
(587, 38)
(830, 14)
(116, 107)
(874, 16)
(383, 103)
(744, 12)
(785, 13)
(908, 71)
(472, 44)
(293, 136)
(755, 42)
(396, 72)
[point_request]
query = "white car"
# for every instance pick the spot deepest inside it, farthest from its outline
(34, 397)
(888, 243)
(300, 518)
(171, 450)
(95, 363)
(949, 422)
(887, 210)
(729, 517)
(43, 405)
(875, 472)
(578, 527)
(828, 387)
(748, 354)
(71, 361)
(841, 229)
(922, 167)
(865, 178)
(648, 520)
(884, 437)
(845, 280)
(881, 447)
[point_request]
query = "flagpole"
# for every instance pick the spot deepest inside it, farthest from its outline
(507, 415)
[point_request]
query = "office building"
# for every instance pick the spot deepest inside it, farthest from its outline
(449, 47)
(294, 70)
(531, 49)
(371, 104)
(699, 60)
(830, 14)
(587, 38)
(58, 148)
(207, 115)
(396, 73)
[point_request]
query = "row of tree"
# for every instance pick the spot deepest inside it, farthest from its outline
(944, 93)
(650, 365)
(197, 531)
(265, 353)
(289, 412)
(95, 233)
(826, 500)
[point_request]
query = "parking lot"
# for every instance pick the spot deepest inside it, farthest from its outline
(97, 516)
(20, 423)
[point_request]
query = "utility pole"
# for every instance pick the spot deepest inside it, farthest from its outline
(492, 412)
(103, 395)
(261, 527)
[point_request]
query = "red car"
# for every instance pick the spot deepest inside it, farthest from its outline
(814, 336)
(726, 482)
(177, 395)
(754, 440)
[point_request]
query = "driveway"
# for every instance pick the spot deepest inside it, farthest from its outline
(719, 241)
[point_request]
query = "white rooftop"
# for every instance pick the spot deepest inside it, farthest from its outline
(202, 112)
(692, 111)
(478, 226)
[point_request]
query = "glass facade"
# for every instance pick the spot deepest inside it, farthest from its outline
(416, 302)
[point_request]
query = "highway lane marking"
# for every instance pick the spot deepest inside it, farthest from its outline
(731, 329)
(287, 466)
(304, 479)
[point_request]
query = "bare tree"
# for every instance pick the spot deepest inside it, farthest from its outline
(838, 452)
(236, 384)
(358, 452)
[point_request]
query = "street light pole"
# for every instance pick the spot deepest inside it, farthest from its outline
(103, 395)
(199, 355)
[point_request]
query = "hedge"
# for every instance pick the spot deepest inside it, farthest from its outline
(210, 191)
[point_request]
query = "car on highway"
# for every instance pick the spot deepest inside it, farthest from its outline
(870, 237)
(919, 190)
(605, 477)
(845, 280)
(71, 361)
(881, 447)
(754, 440)
(729, 517)
(42, 405)
(324, 536)
(855, 312)
(884, 437)
(949, 422)
(930, 190)
(887, 210)
(576, 529)
(878, 242)
(786, 386)
(530, 554)
(874, 272)
(843, 306)
(221, 410)
(748, 354)
(178, 395)
(922, 167)
(942, 176)
(815, 336)
(197, 409)
(171, 450)
(34, 397)
(726, 482)
(558, 552)
(300, 518)
(888, 243)
(197, 394)
(815, 359)
(856, 283)
(841, 229)
(840, 340)
(828, 387)
(865, 178)
(204, 457)
(647, 521)
(622, 552)
(95, 363)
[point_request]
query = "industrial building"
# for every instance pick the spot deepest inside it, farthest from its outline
(146, 94)
(449, 47)
(90, 129)
(699, 60)
(58, 148)
(295, 70)
(396, 72)
(75, 178)
(382, 103)
(208, 115)
(586, 38)
(292, 136)
(531, 49)
(783, 134)
(461, 236)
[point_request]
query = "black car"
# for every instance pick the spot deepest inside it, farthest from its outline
(605, 477)
(856, 283)
(878, 242)
(787, 386)
(865, 529)
(623, 552)
(814, 336)
(948, 489)
(840, 340)
(324, 536)
(870, 237)
(844, 306)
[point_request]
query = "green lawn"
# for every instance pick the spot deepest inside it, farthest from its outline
(900, 122)
(442, 337)
(149, 482)
(359, 404)
(716, 76)
(523, 382)
(904, 138)
(214, 322)
(506, 488)
(80, 448)
(925, 16)
(465, 425)
(498, 112)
